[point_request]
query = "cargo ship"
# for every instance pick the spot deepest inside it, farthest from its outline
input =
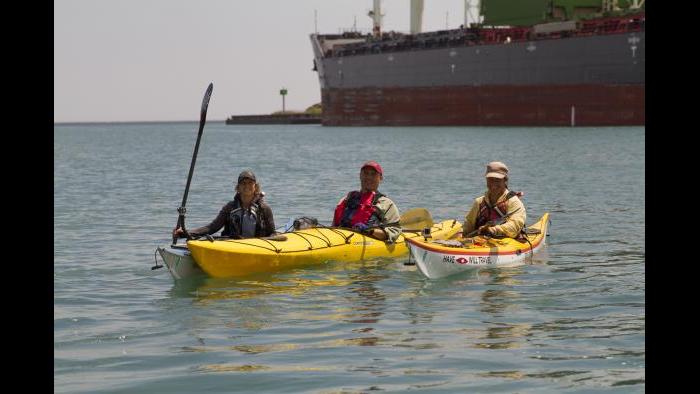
(521, 63)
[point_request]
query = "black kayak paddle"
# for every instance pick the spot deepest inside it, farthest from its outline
(202, 119)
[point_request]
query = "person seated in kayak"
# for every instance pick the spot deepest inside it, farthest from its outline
(247, 216)
(497, 203)
(368, 211)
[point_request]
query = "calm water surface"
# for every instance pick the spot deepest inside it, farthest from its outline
(574, 320)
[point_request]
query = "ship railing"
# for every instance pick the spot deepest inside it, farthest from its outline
(354, 32)
(397, 42)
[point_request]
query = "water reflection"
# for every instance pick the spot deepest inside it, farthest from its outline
(254, 303)
(366, 299)
(418, 308)
(205, 289)
(245, 368)
(348, 292)
(493, 290)
(495, 303)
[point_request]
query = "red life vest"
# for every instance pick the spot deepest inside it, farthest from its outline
(357, 208)
(487, 213)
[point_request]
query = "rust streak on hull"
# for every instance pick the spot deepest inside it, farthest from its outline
(498, 105)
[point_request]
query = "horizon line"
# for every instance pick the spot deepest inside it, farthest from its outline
(132, 121)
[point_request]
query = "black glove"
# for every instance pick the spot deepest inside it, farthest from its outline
(361, 228)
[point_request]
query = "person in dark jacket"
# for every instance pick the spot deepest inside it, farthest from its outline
(247, 216)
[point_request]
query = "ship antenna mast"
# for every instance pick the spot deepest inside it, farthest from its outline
(471, 12)
(376, 15)
(416, 16)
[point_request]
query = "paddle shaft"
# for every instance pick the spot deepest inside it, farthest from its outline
(202, 120)
(370, 230)
(382, 226)
(412, 216)
(496, 222)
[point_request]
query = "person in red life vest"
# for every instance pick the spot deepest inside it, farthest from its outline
(246, 216)
(368, 211)
(496, 203)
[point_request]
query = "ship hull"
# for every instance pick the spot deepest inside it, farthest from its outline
(531, 105)
(593, 80)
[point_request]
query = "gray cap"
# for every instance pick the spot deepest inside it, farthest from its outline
(246, 174)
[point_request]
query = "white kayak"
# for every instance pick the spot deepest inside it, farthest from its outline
(441, 258)
(179, 261)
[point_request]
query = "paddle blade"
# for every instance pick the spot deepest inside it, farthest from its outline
(205, 103)
(416, 219)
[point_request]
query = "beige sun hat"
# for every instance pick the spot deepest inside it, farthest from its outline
(496, 169)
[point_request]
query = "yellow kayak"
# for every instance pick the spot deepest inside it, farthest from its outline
(240, 257)
(440, 258)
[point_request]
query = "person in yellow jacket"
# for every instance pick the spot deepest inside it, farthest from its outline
(496, 204)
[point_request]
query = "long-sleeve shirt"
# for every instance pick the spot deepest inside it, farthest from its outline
(265, 222)
(390, 218)
(513, 224)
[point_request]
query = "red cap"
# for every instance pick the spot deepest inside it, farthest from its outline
(374, 165)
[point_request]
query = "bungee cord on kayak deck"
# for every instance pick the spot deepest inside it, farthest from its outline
(311, 246)
(327, 240)
(322, 237)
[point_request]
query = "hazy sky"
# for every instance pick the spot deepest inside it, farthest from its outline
(149, 60)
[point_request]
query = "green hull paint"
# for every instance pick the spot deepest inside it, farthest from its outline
(532, 12)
